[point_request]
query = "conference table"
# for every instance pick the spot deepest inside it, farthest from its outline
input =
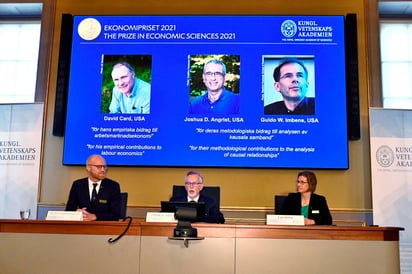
(40, 246)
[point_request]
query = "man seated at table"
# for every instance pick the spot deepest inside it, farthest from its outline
(97, 197)
(193, 186)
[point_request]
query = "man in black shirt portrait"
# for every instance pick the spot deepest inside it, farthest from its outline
(291, 80)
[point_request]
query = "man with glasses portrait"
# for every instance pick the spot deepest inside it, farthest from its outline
(291, 81)
(217, 99)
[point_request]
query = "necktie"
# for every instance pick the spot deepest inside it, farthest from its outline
(94, 193)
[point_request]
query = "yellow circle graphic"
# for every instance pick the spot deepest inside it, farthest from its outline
(89, 29)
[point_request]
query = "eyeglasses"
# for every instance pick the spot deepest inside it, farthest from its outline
(99, 166)
(216, 74)
(192, 183)
(301, 182)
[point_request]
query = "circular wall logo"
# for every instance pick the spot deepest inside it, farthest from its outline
(288, 28)
(89, 29)
(385, 156)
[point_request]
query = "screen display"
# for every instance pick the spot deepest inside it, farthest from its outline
(208, 91)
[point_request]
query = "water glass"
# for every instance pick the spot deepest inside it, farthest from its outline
(25, 214)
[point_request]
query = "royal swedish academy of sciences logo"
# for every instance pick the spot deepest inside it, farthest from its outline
(385, 156)
(288, 28)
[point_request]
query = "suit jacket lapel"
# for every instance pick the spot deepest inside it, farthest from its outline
(86, 194)
(102, 188)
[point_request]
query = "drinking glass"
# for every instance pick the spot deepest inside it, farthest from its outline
(25, 214)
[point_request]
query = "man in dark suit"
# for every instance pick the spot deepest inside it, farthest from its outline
(103, 204)
(194, 185)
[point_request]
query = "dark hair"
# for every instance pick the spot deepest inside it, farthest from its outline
(194, 172)
(286, 61)
(311, 177)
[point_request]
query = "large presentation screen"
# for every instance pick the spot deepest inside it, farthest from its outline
(208, 91)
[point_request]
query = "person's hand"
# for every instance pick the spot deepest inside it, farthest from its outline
(87, 216)
(309, 221)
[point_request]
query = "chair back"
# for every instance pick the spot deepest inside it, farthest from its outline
(211, 191)
(279, 200)
(123, 204)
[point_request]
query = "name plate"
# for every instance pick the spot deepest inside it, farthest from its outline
(64, 216)
(161, 217)
(285, 220)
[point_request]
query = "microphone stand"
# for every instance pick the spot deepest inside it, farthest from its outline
(111, 240)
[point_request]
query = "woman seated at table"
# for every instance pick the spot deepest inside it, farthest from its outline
(305, 202)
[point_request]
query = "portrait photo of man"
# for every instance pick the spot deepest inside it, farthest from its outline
(288, 91)
(126, 85)
(218, 91)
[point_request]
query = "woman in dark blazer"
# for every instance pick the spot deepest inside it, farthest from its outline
(305, 202)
